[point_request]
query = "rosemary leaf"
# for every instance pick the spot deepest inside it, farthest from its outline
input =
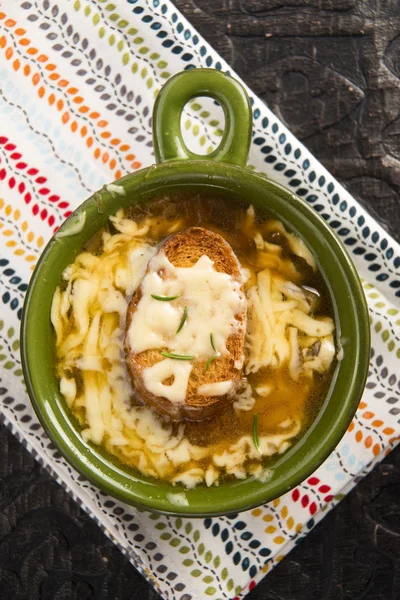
(255, 433)
(164, 298)
(212, 342)
(177, 356)
(208, 363)
(181, 324)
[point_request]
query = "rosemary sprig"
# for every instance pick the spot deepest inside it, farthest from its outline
(256, 441)
(181, 324)
(164, 298)
(177, 356)
(212, 342)
(208, 363)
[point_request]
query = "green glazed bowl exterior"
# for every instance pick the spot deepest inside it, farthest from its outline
(181, 170)
(352, 324)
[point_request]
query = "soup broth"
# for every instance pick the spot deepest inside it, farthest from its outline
(289, 358)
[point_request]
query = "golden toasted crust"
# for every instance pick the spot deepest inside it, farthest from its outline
(183, 250)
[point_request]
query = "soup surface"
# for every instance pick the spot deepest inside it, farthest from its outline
(289, 345)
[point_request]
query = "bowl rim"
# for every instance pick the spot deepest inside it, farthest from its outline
(100, 468)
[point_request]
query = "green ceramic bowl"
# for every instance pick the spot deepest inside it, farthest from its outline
(221, 173)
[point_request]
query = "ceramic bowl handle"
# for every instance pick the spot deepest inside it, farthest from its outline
(172, 98)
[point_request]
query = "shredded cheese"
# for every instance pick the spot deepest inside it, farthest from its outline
(178, 500)
(88, 315)
(76, 225)
(219, 388)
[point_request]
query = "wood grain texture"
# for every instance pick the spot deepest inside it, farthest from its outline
(330, 69)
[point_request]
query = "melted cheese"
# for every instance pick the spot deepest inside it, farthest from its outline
(190, 478)
(211, 476)
(88, 315)
(68, 390)
(92, 403)
(201, 290)
(115, 190)
(178, 499)
(213, 301)
(264, 390)
(154, 376)
(246, 274)
(312, 326)
(244, 398)
(138, 260)
(294, 361)
(75, 226)
(298, 247)
(219, 388)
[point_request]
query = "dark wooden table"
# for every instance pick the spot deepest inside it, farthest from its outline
(330, 69)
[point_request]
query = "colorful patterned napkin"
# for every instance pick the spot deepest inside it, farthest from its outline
(78, 81)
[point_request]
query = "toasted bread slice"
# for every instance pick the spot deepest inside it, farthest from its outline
(184, 249)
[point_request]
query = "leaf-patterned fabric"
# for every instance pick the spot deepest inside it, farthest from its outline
(78, 81)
